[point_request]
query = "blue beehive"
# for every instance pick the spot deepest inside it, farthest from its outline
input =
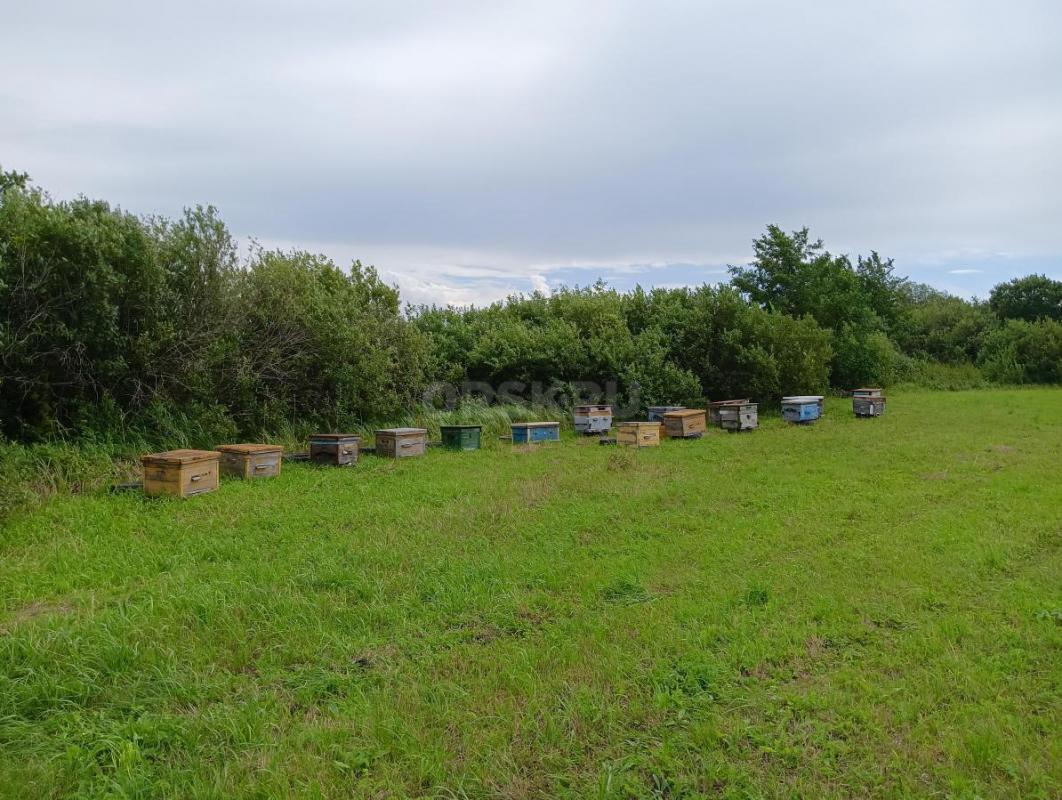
(656, 413)
(803, 408)
(532, 432)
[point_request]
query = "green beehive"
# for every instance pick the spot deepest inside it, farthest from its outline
(461, 437)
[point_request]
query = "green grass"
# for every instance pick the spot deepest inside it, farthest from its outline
(856, 608)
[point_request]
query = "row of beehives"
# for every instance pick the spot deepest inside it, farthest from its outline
(185, 473)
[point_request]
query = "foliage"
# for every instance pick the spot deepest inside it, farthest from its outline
(664, 346)
(113, 325)
(1030, 298)
(1024, 352)
(946, 329)
(794, 275)
(120, 329)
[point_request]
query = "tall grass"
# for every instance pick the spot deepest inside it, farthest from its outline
(30, 474)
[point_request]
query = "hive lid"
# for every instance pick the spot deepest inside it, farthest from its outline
(459, 427)
(401, 431)
(666, 408)
(684, 412)
(803, 398)
(247, 449)
(640, 422)
(876, 389)
(334, 436)
(178, 457)
(592, 409)
(730, 402)
(534, 424)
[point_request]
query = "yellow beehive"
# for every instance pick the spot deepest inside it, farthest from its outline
(689, 423)
(638, 434)
(182, 473)
(251, 460)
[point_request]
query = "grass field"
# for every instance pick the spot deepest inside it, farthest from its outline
(857, 608)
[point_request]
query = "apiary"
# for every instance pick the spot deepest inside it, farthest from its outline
(251, 460)
(868, 402)
(334, 449)
(461, 437)
(532, 432)
(714, 409)
(401, 442)
(182, 473)
(802, 408)
(593, 419)
(689, 423)
(638, 434)
(742, 416)
(656, 413)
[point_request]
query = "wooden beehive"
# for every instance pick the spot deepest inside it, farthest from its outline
(714, 417)
(251, 460)
(689, 423)
(739, 417)
(401, 442)
(334, 449)
(802, 408)
(868, 402)
(461, 437)
(181, 473)
(593, 419)
(533, 432)
(638, 434)
(656, 413)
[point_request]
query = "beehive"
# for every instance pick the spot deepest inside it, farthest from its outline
(638, 434)
(181, 473)
(401, 442)
(739, 417)
(251, 460)
(334, 449)
(868, 402)
(802, 408)
(714, 409)
(461, 437)
(593, 419)
(532, 432)
(656, 413)
(689, 423)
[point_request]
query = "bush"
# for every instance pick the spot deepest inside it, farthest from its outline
(1024, 352)
(863, 358)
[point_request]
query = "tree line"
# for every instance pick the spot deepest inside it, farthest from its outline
(112, 324)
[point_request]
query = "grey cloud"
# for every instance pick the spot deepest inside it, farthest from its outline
(536, 138)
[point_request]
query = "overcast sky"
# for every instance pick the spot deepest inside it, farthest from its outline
(472, 149)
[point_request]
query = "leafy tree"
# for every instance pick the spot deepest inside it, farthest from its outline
(1030, 298)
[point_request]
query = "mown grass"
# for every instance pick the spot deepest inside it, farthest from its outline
(857, 608)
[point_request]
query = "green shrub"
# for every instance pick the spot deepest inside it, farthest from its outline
(1024, 352)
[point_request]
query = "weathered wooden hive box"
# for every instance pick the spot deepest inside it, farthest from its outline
(656, 413)
(689, 423)
(532, 432)
(182, 473)
(715, 408)
(401, 442)
(593, 419)
(251, 460)
(334, 449)
(739, 417)
(868, 402)
(638, 434)
(802, 408)
(461, 437)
